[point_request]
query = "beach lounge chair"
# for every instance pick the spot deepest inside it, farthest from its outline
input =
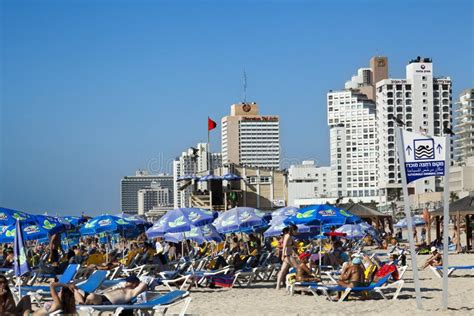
(88, 286)
(93, 282)
(158, 304)
(65, 278)
(246, 274)
(377, 287)
(438, 271)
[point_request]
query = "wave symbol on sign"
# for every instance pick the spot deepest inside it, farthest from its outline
(424, 152)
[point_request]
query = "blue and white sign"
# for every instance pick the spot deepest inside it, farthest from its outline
(425, 156)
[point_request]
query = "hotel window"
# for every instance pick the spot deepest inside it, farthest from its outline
(425, 101)
(424, 86)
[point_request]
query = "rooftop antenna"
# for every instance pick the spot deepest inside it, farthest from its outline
(244, 83)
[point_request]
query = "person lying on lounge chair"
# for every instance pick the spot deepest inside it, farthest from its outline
(124, 295)
(435, 260)
(303, 273)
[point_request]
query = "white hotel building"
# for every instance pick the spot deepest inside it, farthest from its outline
(307, 181)
(192, 162)
(250, 139)
(353, 148)
(421, 101)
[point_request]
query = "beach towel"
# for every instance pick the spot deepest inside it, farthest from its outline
(221, 280)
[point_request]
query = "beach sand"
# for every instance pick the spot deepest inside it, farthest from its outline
(262, 299)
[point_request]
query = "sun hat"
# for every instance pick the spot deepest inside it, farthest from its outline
(433, 249)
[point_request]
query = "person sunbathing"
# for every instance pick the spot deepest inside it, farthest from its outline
(353, 274)
(435, 260)
(303, 273)
(389, 267)
(124, 295)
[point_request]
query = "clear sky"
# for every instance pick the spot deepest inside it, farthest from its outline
(93, 90)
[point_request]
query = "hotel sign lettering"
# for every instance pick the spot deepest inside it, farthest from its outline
(261, 118)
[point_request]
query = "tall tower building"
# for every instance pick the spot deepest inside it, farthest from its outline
(464, 127)
(249, 138)
(353, 136)
(192, 163)
(423, 102)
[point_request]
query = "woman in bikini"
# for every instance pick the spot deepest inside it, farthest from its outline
(288, 253)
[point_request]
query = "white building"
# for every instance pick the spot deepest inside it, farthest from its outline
(193, 162)
(130, 185)
(424, 104)
(461, 178)
(153, 196)
(250, 139)
(353, 148)
(464, 127)
(307, 181)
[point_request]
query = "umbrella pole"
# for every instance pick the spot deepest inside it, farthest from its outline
(320, 249)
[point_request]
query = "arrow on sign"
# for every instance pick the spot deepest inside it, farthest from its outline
(439, 147)
(408, 150)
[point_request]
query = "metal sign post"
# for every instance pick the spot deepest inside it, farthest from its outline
(446, 223)
(401, 157)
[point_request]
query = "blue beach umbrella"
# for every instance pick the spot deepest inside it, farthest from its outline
(136, 220)
(180, 220)
(29, 231)
(351, 231)
(106, 224)
(199, 234)
(285, 211)
(324, 214)
(231, 177)
(9, 216)
(21, 263)
(52, 225)
(416, 221)
(239, 219)
(210, 177)
(278, 223)
(75, 220)
(34, 228)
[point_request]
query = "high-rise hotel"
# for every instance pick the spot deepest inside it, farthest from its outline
(353, 134)
(424, 104)
(250, 139)
(464, 127)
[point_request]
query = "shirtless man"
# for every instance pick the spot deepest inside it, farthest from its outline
(124, 295)
(354, 274)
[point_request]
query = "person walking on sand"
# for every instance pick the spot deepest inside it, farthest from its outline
(288, 254)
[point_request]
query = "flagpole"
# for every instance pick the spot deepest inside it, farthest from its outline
(401, 158)
(446, 221)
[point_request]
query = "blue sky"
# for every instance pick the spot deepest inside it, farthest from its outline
(93, 90)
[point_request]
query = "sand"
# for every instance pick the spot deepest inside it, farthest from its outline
(262, 299)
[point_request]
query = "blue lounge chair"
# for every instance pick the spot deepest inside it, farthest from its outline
(377, 287)
(438, 271)
(161, 303)
(65, 278)
(93, 282)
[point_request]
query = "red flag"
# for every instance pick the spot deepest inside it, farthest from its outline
(210, 124)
